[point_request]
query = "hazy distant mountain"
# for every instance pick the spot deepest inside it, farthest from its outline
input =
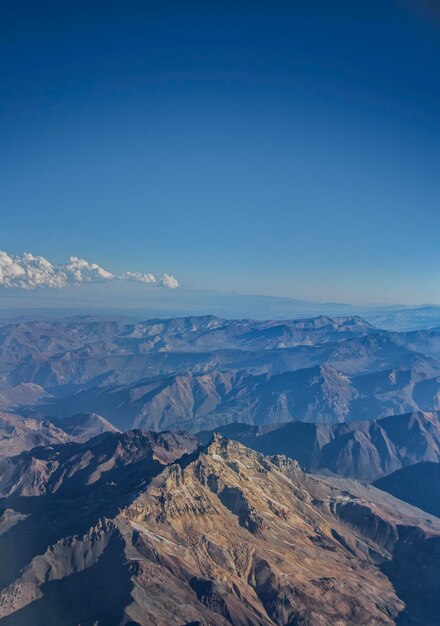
(44, 350)
(404, 317)
(223, 536)
(199, 401)
(363, 450)
(418, 484)
(426, 341)
(119, 299)
(82, 352)
(199, 372)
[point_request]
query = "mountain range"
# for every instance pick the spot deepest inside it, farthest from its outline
(157, 473)
(198, 373)
(70, 379)
(201, 400)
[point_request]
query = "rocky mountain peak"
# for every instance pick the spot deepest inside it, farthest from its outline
(249, 534)
(223, 535)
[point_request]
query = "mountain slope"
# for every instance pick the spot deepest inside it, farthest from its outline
(21, 394)
(18, 434)
(223, 536)
(201, 372)
(84, 426)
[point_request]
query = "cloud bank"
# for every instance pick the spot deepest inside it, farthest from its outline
(27, 271)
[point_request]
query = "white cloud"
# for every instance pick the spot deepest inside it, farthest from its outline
(169, 281)
(79, 270)
(28, 272)
(139, 277)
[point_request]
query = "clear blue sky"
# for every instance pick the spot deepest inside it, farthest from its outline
(288, 148)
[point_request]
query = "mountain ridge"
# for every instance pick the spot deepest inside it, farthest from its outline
(364, 450)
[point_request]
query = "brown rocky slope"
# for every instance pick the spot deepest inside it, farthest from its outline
(224, 536)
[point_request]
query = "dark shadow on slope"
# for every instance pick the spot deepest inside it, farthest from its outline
(417, 484)
(53, 517)
(414, 572)
(97, 595)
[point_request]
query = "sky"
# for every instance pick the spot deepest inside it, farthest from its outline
(276, 148)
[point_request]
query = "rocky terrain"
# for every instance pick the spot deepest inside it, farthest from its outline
(221, 536)
(21, 394)
(363, 450)
(83, 376)
(87, 351)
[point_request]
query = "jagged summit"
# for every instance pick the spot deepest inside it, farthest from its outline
(263, 542)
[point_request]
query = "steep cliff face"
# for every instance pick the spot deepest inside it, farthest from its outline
(222, 536)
